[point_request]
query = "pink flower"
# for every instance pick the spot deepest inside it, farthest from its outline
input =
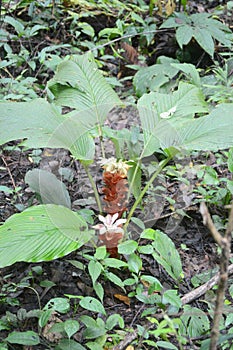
(110, 225)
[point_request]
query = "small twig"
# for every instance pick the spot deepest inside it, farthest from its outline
(224, 243)
(11, 177)
(197, 292)
(209, 223)
(126, 341)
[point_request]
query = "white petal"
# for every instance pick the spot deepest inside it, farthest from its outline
(102, 218)
(114, 217)
(120, 222)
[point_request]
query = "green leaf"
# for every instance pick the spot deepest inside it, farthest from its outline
(84, 148)
(78, 84)
(95, 269)
(127, 247)
(71, 327)
(100, 253)
(191, 72)
(155, 76)
(183, 35)
(205, 40)
(42, 233)
(69, 344)
(50, 189)
(157, 286)
(134, 263)
(20, 120)
(44, 317)
(165, 252)
(18, 26)
(166, 345)
(194, 322)
(115, 279)
(113, 320)
(204, 133)
(171, 297)
(61, 305)
(230, 160)
(115, 263)
(99, 290)
(6, 189)
(92, 304)
(23, 338)
(94, 329)
(163, 115)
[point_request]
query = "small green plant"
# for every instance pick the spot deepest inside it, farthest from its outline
(200, 26)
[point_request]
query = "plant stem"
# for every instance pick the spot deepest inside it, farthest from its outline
(101, 140)
(93, 185)
(145, 189)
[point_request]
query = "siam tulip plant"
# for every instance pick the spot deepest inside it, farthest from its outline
(73, 118)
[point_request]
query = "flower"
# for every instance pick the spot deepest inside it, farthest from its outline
(113, 166)
(116, 186)
(110, 224)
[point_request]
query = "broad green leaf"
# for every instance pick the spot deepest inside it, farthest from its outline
(42, 233)
(205, 40)
(92, 304)
(163, 114)
(166, 345)
(50, 189)
(42, 125)
(61, 305)
(69, 344)
(165, 252)
(194, 322)
(84, 148)
(71, 327)
(99, 290)
(230, 160)
(207, 133)
(94, 269)
(18, 26)
(100, 253)
(115, 263)
(127, 247)
(157, 286)
(171, 297)
(180, 132)
(191, 71)
(135, 263)
(23, 338)
(115, 279)
(35, 120)
(78, 84)
(113, 320)
(183, 35)
(151, 78)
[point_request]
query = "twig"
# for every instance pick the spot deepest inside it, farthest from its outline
(209, 223)
(11, 177)
(224, 243)
(196, 293)
(126, 341)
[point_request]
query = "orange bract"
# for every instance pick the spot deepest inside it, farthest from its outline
(116, 193)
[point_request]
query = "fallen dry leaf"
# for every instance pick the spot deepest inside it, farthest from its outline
(123, 298)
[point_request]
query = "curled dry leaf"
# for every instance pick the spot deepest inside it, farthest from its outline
(51, 336)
